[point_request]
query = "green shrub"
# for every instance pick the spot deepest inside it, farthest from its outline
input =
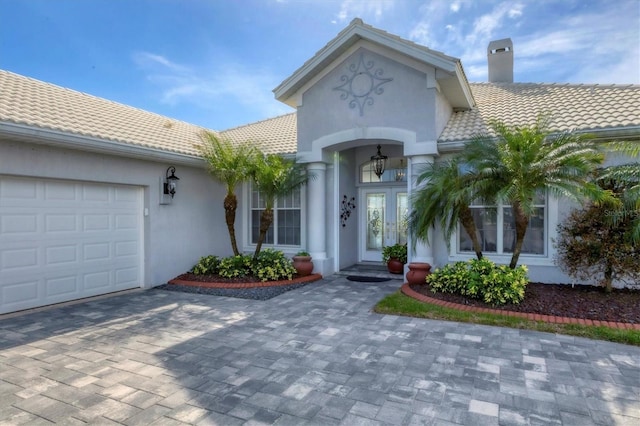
(235, 266)
(481, 279)
(272, 265)
(207, 265)
(397, 251)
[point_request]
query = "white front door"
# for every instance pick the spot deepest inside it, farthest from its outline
(383, 220)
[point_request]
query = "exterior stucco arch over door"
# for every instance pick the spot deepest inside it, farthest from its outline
(323, 147)
(336, 152)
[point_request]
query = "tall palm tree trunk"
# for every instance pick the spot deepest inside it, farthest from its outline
(266, 219)
(230, 207)
(466, 218)
(522, 221)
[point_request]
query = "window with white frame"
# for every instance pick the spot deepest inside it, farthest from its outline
(495, 228)
(286, 227)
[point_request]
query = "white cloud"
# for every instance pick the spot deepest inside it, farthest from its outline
(455, 6)
(587, 48)
(369, 9)
(485, 26)
(432, 15)
(230, 83)
(144, 59)
(421, 33)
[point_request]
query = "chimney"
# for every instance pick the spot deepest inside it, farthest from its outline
(500, 59)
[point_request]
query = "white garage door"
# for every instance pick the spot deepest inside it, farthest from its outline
(65, 240)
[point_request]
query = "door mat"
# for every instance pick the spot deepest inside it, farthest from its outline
(367, 279)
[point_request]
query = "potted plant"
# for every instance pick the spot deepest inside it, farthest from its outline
(395, 257)
(302, 263)
(418, 272)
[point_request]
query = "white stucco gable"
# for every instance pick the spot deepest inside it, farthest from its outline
(449, 76)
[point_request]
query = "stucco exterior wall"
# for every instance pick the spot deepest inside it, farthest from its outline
(541, 268)
(406, 102)
(348, 235)
(175, 235)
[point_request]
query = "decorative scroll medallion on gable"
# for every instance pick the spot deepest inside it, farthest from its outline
(362, 84)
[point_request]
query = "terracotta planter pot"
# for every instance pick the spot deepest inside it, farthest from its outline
(395, 266)
(418, 272)
(303, 265)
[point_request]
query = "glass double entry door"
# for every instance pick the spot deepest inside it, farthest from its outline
(383, 220)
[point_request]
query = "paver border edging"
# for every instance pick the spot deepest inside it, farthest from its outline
(298, 280)
(408, 291)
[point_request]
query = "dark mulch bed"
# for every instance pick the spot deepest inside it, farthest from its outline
(210, 278)
(580, 301)
(257, 293)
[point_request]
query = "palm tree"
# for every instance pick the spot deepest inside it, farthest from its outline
(520, 162)
(274, 176)
(229, 164)
(444, 196)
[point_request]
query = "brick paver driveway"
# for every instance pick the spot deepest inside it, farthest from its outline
(315, 355)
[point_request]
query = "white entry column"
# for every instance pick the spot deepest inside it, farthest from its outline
(317, 215)
(423, 252)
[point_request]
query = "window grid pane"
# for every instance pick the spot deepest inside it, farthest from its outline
(255, 229)
(289, 227)
(533, 239)
(286, 227)
(487, 219)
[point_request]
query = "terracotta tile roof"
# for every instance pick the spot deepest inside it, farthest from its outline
(42, 105)
(573, 107)
(274, 135)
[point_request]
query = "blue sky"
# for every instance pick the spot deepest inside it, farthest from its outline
(215, 62)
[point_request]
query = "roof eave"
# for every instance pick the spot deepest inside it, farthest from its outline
(600, 135)
(348, 37)
(43, 136)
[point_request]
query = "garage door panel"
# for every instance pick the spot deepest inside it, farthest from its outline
(95, 193)
(63, 240)
(18, 258)
(20, 294)
(126, 221)
(62, 286)
(95, 222)
(126, 248)
(13, 224)
(98, 251)
(61, 254)
(97, 280)
(126, 276)
(66, 222)
(21, 189)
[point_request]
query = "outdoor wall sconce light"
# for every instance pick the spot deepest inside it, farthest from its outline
(168, 185)
(378, 162)
(171, 182)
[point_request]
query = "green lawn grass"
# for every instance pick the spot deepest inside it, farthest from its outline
(399, 304)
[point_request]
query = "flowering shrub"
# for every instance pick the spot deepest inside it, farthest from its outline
(270, 265)
(207, 265)
(481, 279)
(235, 266)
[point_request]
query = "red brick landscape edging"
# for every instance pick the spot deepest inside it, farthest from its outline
(298, 280)
(408, 291)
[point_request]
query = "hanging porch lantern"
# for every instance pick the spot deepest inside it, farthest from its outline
(378, 162)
